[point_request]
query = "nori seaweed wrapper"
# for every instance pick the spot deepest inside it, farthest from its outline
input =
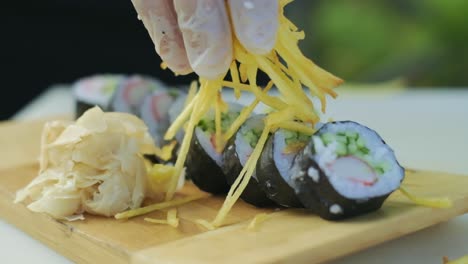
(271, 181)
(232, 167)
(203, 170)
(320, 196)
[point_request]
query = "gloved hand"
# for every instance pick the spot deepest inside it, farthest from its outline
(195, 35)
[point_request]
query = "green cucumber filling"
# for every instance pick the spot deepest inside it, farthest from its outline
(293, 138)
(109, 87)
(173, 93)
(352, 144)
(251, 136)
(208, 126)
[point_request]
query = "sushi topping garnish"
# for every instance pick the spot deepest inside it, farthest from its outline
(288, 69)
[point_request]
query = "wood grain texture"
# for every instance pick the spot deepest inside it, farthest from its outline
(288, 236)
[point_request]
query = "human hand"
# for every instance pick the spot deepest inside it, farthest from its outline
(195, 35)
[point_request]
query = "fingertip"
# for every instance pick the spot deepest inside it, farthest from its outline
(255, 24)
(207, 36)
(160, 20)
(206, 67)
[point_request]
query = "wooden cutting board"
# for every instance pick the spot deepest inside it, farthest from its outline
(292, 236)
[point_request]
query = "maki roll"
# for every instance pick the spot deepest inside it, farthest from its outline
(346, 170)
(175, 109)
(204, 162)
(130, 94)
(94, 91)
(273, 167)
(155, 113)
(237, 153)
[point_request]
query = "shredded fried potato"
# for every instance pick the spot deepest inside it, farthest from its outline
(158, 206)
(156, 221)
(191, 93)
(165, 153)
(429, 202)
(205, 224)
(256, 221)
(289, 70)
(171, 220)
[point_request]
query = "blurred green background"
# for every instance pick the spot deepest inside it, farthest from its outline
(422, 42)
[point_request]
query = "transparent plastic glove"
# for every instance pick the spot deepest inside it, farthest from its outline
(195, 35)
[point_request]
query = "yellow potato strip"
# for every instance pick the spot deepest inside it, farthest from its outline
(429, 202)
(156, 221)
(158, 206)
(191, 93)
(181, 119)
(244, 115)
(218, 132)
(283, 84)
(245, 176)
(235, 78)
(296, 126)
(208, 92)
(256, 221)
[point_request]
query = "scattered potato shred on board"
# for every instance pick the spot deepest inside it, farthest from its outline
(93, 165)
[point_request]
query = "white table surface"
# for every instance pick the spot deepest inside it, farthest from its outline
(428, 129)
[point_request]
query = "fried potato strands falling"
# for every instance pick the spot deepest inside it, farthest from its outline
(290, 105)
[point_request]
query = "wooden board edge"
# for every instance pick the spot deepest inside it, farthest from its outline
(67, 241)
(400, 231)
(304, 254)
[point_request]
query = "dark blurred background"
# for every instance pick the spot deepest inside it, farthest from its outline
(58, 41)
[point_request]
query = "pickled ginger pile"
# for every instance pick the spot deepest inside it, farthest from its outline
(93, 165)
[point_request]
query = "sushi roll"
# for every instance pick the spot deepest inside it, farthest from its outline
(94, 91)
(275, 163)
(204, 162)
(175, 109)
(236, 155)
(130, 94)
(346, 170)
(154, 111)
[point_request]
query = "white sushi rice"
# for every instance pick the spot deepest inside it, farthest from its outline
(154, 112)
(379, 152)
(205, 142)
(283, 161)
(96, 90)
(243, 148)
(174, 110)
(139, 86)
(205, 138)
